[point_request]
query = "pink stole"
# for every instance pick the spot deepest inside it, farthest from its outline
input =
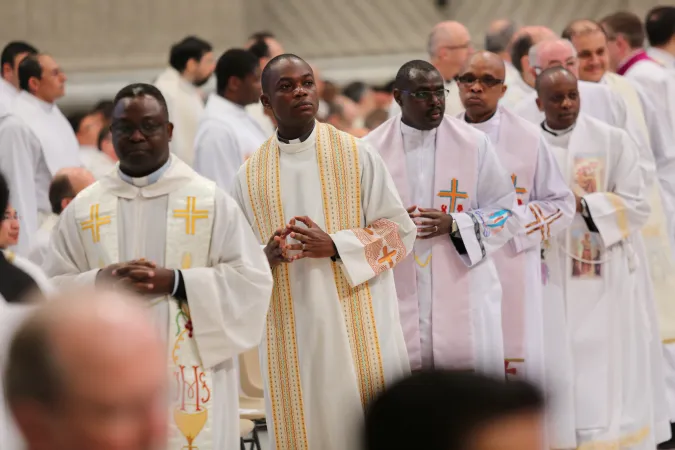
(518, 149)
(455, 184)
(639, 56)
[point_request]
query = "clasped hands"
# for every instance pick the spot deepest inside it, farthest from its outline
(313, 242)
(430, 222)
(140, 276)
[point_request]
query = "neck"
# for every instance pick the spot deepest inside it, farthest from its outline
(405, 120)
(528, 79)
(479, 117)
(42, 98)
(228, 96)
(669, 47)
(136, 172)
(10, 83)
(558, 128)
(290, 133)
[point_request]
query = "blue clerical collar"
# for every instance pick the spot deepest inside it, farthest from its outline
(146, 180)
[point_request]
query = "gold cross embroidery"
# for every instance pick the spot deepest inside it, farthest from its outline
(387, 257)
(94, 223)
(190, 214)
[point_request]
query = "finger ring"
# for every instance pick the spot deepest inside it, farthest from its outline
(436, 228)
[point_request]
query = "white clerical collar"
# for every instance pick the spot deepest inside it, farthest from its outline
(225, 106)
(489, 126)
(43, 105)
(550, 130)
(300, 140)
(148, 179)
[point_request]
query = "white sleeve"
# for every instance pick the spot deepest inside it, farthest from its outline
(217, 155)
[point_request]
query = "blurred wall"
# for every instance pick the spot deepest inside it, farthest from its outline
(102, 44)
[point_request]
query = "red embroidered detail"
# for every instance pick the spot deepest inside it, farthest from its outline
(509, 371)
(520, 202)
(188, 326)
(460, 208)
(444, 208)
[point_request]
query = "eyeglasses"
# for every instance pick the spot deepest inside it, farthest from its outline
(427, 95)
(487, 80)
(8, 216)
(147, 129)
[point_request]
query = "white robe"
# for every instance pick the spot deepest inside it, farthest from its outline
(96, 162)
(40, 246)
(516, 90)
(608, 324)
(453, 104)
(662, 57)
(226, 137)
(227, 300)
(22, 162)
(324, 384)
(186, 105)
(257, 112)
(7, 94)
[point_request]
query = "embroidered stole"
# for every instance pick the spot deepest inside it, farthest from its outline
(340, 175)
(189, 222)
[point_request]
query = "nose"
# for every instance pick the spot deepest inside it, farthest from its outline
(300, 91)
(566, 103)
(137, 136)
(476, 87)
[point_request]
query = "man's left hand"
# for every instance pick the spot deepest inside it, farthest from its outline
(314, 242)
(150, 281)
(432, 223)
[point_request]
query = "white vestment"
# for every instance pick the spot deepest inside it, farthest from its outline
(40, 244)
(119, 219)
(186, 105)
(257, 112)
(662, 57)
(96, 162)
(595, 272)
(226, 137)
(516, 90)
(334, 339)
(22, 162)
(7, 94)
(532, 335)
(453, 104)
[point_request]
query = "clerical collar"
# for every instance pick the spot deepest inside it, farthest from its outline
(146, 180)
(302, 138)
(468, 119)
(43, 105)
(550, 130)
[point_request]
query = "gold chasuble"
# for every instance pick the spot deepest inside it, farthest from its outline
(341, 191)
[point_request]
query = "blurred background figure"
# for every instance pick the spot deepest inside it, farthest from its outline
(660, 29)
(191, 63)
(383, 95)
(88, 371)
(13, 53)
(364, 99)
(9, 228)
(63, 189)
(441, 410)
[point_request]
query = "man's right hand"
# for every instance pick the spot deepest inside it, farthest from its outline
(126, 271)
(276, 247)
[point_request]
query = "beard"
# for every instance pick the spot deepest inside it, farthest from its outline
(199, 82)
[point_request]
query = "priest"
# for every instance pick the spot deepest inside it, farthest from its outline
(158, 228)
(326, 209)
(660, 30)
(533, 332)
(593, 266)
(452, 183)
(13, 53)
(227, 133)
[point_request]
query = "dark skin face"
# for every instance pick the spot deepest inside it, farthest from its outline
(481, 86)
(141, 133)
(420, 98)
(292, 97)
(559, 100)
(244, 91)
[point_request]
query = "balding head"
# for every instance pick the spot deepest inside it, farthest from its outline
(88, 370)
(558, 97)
(481, 85)
(66, 184)
(448, 46)
(551, 53)
(499, 36)
(590, 42)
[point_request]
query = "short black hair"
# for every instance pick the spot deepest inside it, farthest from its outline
(449, 406)
(260, 48)
(104, 107)
(235, 62)
(140, 89)
(660, 25)
(355, 91)
(29, 67)
(189, 48)
(403, 74)
(627, 24)
(265, 78)
(521, 47)
(498, 41)
(75, 120)
(4, 196)
(59, 189)
(388, 87)
(102, 136)
(14, 49)
(550, 71)
(261, 35)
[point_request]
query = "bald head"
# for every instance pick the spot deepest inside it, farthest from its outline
(83, 356)
(481, 85)
(553, 76)
(65, 186)
(555, 52)
(499, 36)
(558, 97)
(488, 60)
(449, 46)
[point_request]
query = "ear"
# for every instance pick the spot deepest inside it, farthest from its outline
(33, 422)
(539, 105)
(65, 202)
(191, 66)
(6, 70)
(504, 89)
(33, 84)
(169, 130)
(234, 83)
(397, 97)
(265, 100)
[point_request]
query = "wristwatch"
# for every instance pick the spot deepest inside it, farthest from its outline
(584, 209)
(454, 229)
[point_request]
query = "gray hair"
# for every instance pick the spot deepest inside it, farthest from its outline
(498, 41)
(533, 53)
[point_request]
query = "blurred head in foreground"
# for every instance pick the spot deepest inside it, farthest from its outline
(456, 411)
(88, 371)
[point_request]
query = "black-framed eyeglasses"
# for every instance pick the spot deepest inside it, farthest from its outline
(147, 129)
(427, 95)
(486, 80)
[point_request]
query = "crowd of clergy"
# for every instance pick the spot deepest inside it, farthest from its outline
(508, 211)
